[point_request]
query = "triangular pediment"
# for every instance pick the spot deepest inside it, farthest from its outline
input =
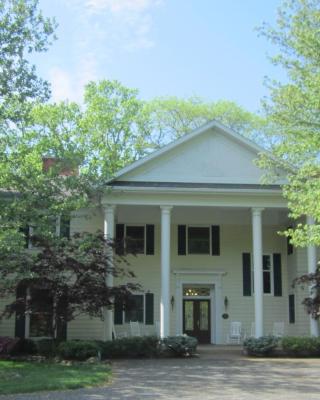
(211, 155)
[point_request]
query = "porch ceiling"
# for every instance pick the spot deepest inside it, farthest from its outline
(200, 215)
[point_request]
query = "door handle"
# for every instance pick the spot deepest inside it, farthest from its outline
(198, 323)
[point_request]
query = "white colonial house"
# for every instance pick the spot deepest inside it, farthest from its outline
(205, 230)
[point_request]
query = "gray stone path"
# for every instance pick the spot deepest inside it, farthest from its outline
(217, 375)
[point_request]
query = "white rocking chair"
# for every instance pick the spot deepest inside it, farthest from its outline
(135, 328)
(157, 330)
(278, 329)
(235, 334)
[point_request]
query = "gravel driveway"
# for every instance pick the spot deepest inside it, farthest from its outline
(211, 376)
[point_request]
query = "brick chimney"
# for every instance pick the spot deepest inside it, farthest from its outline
(49, 162)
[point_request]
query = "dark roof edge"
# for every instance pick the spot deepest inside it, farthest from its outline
(195, 185)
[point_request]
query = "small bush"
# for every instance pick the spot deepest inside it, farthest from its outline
(262, 346)
(9, 345)
(130, 347)
(78, 349)
(301, 346)
(47, 347)
(180, 345)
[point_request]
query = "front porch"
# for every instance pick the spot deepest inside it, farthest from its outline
(236, 291)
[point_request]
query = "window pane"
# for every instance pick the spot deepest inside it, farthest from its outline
(196, 291)
(266, 282)
(41, 318)
(266, 263)
(135, 239)
(188, 315)
(134, 309)
(204, 315)
(198, 240)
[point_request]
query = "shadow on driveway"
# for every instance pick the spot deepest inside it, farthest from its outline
(232, 377)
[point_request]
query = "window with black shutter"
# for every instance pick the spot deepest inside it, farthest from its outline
(134, 308)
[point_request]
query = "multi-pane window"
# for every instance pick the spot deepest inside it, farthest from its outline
(135, 308)
(267, 273)
(135, 239)
(198, 240)
(41, 316)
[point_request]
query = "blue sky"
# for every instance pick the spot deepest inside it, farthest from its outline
(207, 48)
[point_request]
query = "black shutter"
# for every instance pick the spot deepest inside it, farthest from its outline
(292, 314)
(182, 240)
(246, 274)
(120, 239)
(20, 322)
(149, 308)
(277, 278)
(150, 240)
(62, 318)
(289, 245)
(65, 226)
(118, 312)
(26, 232)
(215, 240)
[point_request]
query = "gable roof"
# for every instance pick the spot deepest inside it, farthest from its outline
(189, 136)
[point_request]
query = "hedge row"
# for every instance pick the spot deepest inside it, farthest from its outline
(291, 346)
(130, 347)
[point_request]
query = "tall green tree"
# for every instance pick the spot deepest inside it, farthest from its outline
(23, 32)
(115, 127)
(171, 117)
(294, 108)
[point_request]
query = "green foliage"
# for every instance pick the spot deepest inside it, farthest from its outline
(23, 31)
(263, 346)
(294, 110)
(180, 345)
(130, 347)
(78, 349)
(172, 117)
(301, 346)
(114, 127)
(46, 347)
(34, 377)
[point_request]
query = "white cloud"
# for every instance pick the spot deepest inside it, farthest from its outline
(121, 24)
(120, 6)
(67, 86)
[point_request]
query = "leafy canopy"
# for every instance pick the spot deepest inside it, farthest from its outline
(294, 108)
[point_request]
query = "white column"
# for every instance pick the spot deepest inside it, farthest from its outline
(312, 266)
(165, 272)
(109, 232)
(27, 314)
(257, 269)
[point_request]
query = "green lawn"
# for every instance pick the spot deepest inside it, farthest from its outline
(23, 377)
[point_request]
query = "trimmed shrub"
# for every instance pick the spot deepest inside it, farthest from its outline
(130, 347)
(78, 349)
(180, 345)
(47, 347)
(27, 346)
(262, 346)
(301, 346)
